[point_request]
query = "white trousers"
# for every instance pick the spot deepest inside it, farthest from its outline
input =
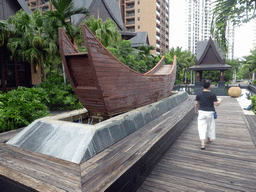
(206, 124)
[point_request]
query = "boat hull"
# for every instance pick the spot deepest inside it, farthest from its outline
(107, 87)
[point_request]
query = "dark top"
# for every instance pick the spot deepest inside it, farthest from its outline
(210, 97)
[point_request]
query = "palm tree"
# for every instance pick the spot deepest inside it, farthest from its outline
(106, 32)
(29, 41)
(145, 50)
(64, 10)
(179, 58)
(187, 60)
(250, 63)
(4, 33)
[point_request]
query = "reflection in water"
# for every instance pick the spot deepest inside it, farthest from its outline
(246, 93)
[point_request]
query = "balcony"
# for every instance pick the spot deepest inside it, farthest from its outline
(130, 6)
(131, 14)
(131, 29)
(158, 5)
(130, 22)
(158, 13)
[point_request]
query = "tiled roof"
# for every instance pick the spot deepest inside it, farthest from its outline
(24, 6)
(140, 39)
(113, 8)
(201, 45)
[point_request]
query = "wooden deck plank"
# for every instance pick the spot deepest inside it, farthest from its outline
(8, 135)
(227, 164)
(27, 180)
(98, 175)
(39, 168)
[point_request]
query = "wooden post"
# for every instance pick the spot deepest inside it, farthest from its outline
(16, 74)
(222, 75)
(3, 78)
(197, 76)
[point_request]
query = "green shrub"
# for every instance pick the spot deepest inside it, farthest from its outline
(177, 82)
(62, 96)
(254, 82)
(18, 108)
(253, 98)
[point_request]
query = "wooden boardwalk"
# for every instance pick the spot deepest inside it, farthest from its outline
(227, 164)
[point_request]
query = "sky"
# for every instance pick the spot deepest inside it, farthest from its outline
(243, 34)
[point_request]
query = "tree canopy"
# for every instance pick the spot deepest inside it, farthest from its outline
(235, 11)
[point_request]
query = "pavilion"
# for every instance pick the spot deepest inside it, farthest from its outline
(209, 58)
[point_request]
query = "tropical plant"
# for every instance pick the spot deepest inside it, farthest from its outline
(60, 18)
(106, 32)
(4, 33)
(250, 63)
(235, 11)
(18, 108)
(185, 59)
(28, 41)
(235, 65)
(253, 98)
(214, 76)
(62, 95)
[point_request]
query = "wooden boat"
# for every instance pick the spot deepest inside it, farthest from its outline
(106, 86)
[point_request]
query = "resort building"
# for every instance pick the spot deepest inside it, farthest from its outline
(151, 16)
(15, 72)
(198, 25)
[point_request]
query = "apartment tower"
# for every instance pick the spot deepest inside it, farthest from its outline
(198, 20)
(151, 16)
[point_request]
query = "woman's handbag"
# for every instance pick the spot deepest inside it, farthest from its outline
(215, 113)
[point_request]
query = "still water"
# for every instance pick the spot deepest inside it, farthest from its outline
(246, 93)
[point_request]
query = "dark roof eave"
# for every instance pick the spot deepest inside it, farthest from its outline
(24, 6)
(209, 68)
(126, 33)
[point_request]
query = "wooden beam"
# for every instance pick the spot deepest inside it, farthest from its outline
(3, 78)
(16, 74)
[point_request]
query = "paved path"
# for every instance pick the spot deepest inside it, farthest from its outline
(228, 164)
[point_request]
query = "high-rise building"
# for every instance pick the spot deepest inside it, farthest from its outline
(151, 16)
(230, 35)
(254, 34)
(198, 22)
(198, 25)
(43, 5)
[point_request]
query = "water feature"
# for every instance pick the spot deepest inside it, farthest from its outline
(246, 92)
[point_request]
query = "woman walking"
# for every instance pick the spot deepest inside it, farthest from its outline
(204, 106)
